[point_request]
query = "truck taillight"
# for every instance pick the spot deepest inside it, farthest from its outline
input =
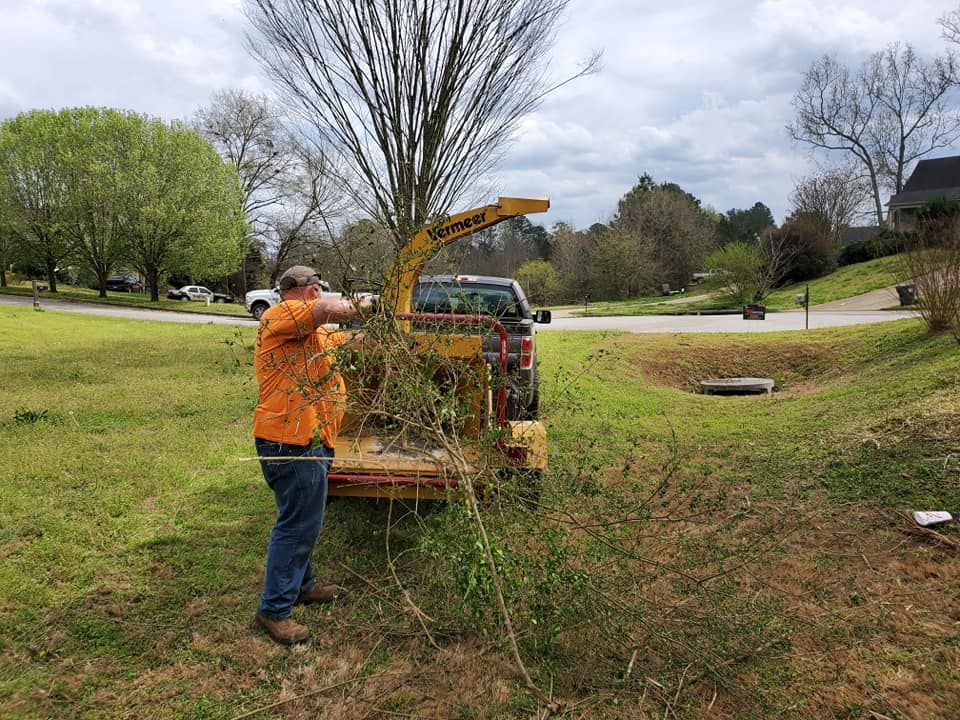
(526, 353)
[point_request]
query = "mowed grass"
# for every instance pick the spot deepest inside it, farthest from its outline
(132, 534)
(70, 293)
(846, 282)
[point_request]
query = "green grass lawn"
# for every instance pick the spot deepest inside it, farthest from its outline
(72, 293)
(845, 282)
(132, 537)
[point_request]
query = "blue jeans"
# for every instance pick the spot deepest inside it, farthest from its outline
(300, 489)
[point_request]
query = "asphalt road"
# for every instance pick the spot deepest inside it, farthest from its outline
(640, 324)
(128, 312)
(793, 320)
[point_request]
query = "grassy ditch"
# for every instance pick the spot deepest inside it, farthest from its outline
(693, 556)
(69, 293)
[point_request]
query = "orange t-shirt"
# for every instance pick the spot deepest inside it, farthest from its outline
(301, 393)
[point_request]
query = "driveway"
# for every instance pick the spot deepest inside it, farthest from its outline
(876, 300)
(792, 320)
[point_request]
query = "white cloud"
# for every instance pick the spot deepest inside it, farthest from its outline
(693, 93)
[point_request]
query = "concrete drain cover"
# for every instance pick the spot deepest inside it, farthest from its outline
(737, 386)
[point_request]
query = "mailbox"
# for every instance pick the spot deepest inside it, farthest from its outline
(754, 312)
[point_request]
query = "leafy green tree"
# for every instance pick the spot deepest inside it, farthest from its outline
(809, 244)
(672, 232)
(571, 257)
(96, 148)
(616, 266)
(744, 226)
(8, 246)
(111, 188)
(540, 280)
(737, 265)
(184, 211)
(33, 189)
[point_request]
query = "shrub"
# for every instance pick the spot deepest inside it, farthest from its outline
(737, 264)
(540, 281)
(886, 242)
(931, 262)
(811, 246)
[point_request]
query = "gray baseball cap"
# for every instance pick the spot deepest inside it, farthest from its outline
(298, 276)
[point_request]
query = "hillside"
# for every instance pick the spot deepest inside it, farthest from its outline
(846, 282)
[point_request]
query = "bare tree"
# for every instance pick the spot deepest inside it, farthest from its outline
(950, 26)
(838, 195)
(248, 132)
(299, 216)
(887, 114)
(778, 249)
(287, 187)
(419, 97)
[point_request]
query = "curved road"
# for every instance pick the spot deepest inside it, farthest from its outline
(561, 321)
(792, 320)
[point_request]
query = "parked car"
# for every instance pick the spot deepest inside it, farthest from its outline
(124, 282)
(504, 299)
(197, 293)
(257, 301)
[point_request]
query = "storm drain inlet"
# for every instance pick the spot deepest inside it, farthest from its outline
(736, 386)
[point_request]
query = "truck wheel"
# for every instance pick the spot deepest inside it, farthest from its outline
(258, 309)
(533, 407)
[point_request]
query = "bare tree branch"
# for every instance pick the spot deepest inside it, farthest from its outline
(838, 195)
(420, 99)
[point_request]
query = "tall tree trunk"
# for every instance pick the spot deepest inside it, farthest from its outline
(3, 277)
(153, 280)
(51, 274)
(102, 281)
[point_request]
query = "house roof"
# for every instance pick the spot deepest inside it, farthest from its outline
(931, 178)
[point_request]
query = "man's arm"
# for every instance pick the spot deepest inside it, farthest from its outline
(336, 310)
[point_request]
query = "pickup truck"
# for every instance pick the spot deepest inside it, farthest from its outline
(504, 299)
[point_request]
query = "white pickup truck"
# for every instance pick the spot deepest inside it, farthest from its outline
(257, 301)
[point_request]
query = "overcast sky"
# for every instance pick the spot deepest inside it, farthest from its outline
(695, 93)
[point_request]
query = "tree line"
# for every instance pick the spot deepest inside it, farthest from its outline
(95, 190)
(377, 139)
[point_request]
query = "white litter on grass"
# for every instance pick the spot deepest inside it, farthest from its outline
(931, 517)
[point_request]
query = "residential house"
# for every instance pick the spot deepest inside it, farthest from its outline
(930, 179)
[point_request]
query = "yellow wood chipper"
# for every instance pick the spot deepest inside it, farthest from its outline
(371, 461)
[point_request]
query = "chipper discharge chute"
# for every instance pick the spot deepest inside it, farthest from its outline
(373, 458)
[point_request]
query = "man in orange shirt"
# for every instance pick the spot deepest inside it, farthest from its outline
(302, 399)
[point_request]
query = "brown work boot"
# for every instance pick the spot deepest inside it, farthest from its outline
(319, 594)
(286, 632)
